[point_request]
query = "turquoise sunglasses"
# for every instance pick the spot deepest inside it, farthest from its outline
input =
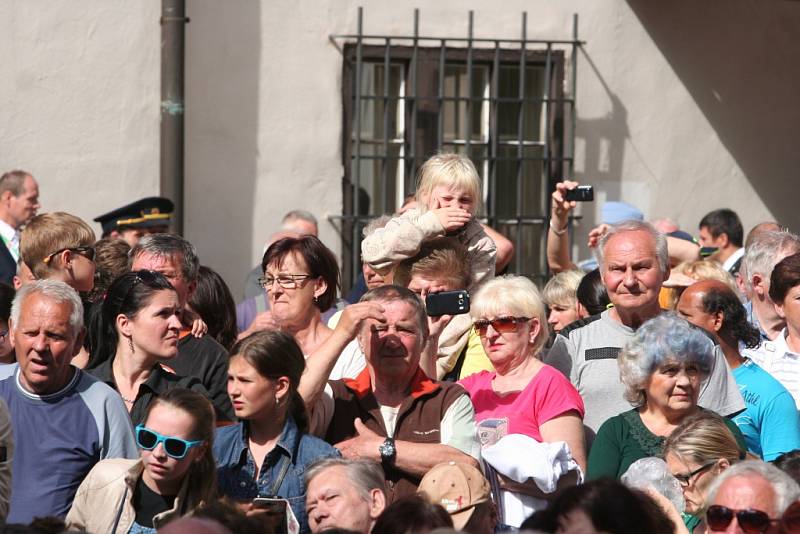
(175, 447)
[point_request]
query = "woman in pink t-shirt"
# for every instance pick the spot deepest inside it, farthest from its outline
(523, 395)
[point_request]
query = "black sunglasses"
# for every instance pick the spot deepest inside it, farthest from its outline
(86, 252)
(750, 521)
(149, 278)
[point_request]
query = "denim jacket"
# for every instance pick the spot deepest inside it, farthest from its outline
(236, 469)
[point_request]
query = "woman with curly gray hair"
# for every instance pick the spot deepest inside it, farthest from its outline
(662, 369)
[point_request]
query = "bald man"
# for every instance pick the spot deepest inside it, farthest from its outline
(770, 422)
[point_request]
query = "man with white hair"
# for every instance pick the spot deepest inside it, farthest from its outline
(763, 253)
(344, 494)
(634, 262)
(64, 421)
(749, 497)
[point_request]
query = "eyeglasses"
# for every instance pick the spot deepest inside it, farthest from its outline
(175, 447)
(286, 281)
(86, 252)
(501, 325)
(751, 521)
(686, 479)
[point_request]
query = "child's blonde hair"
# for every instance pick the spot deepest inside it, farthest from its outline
(450, 170)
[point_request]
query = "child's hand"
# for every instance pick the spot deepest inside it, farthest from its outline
(199, 328)
(452, 219)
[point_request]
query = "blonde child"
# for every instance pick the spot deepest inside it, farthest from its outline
(448, 198)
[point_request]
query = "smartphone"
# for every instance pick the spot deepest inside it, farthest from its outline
(582, 193)
(271, 504)
(447, 303)
(275, 508)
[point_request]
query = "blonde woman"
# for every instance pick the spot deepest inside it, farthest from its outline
(696, 453)
(560, 296)
(687, 273)
(522, 395)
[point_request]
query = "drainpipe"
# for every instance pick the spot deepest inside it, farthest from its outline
(173, 22)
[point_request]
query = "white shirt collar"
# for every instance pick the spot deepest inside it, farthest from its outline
(733, 258)
(781, 346)
(7, 231)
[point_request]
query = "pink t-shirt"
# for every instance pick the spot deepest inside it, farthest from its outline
(548, 395)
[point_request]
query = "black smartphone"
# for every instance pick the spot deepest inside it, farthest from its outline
(447, 303)
(272, 505)
(276, 510)
(582, 193)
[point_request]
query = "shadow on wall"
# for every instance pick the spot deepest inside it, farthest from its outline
(604, 141)
(223, 56)
(740, 62)
(604, 138)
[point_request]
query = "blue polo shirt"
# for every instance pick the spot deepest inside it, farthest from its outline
(57, 440)
(236, 469)
(770, 421)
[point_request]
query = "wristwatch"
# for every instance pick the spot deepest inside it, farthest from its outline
(388, 451)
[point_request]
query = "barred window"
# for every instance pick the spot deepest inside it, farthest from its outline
(500, 102)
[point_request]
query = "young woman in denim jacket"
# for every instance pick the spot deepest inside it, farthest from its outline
(267, 452)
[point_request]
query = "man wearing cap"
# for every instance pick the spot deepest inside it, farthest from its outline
(19, 201)
(392, 412)
(464, 492)
(149, 215)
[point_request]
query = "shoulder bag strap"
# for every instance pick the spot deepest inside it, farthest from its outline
(276, 484)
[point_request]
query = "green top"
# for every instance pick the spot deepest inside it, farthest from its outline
(623, 439)
(690, 521)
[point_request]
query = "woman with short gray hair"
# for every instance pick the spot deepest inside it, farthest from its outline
(662, 369)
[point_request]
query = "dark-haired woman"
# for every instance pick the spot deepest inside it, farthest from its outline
(601, 506)
(174, 475)
(300, 278)
(136, 334)
(592, 295)
(267, 453)
(213, 302)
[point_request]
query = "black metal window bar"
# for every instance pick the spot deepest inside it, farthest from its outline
(505, 103)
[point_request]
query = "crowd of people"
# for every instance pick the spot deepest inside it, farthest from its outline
(440, 394)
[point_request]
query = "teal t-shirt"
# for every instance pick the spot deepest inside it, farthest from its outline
(770, 422)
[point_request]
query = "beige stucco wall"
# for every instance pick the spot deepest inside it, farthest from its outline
(681, 109)
(79, 100)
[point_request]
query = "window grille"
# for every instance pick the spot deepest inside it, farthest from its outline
(407, 97)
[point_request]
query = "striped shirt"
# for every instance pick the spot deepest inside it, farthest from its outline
(777, 359)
